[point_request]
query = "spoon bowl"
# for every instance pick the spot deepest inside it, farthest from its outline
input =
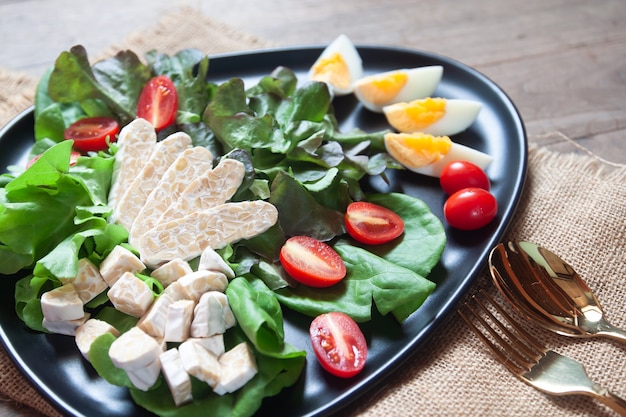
(548, 291)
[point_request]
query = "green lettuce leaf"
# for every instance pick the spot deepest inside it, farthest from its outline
(188, 71)
(116, 82)
(42, 207)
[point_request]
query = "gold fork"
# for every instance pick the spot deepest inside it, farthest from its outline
(527, 358)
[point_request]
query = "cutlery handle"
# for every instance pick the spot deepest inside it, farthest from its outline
(612, 332)
(612, 401)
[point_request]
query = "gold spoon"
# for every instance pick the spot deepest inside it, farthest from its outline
(548, 290)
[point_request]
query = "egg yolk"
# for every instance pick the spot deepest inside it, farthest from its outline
(415, 115)
(381, 89)
(415, 150)
(332, 70)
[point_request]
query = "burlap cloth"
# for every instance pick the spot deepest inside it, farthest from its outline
(573, 204)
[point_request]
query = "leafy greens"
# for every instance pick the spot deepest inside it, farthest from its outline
(296, 157)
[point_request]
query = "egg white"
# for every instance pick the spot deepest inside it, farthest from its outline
(421, 83)
(457, 152)
(343, 46)
(459, 115)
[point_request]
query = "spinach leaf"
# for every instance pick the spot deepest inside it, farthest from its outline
(300, 214)
(236, 126)
(27, 303)
(279, 364)
(282, 82)
(370, 281)
(51, 118)
(389, 277)
(424, 239)
(258, 313)
(99, 358)
(273, 375)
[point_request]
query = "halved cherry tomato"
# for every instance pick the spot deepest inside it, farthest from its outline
(463, 174)
(91, 133)
(73, 159)
(372, 224)
(470, 208)
(158, 102)
(339, 344)
(312, 262)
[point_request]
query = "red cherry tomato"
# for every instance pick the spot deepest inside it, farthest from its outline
(312, 262)
(91, 133)
(73, 159)
(339, 344)
(463, 174)
(372, 224)
(470, 208)
(158, 102)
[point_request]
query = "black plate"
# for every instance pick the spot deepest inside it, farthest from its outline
(54, 365)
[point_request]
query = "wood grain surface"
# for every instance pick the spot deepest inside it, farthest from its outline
(562, 62)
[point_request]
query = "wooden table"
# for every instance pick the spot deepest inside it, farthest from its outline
(563, 62)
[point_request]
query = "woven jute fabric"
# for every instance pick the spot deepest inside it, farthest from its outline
(573, 204)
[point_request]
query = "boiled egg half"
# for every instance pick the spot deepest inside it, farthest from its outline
(436, 116)
(428, 155)
(379, 90)
(339, 65)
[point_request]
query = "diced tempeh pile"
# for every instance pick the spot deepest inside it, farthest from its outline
(193, 311)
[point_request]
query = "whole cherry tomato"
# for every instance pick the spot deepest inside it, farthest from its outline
(463, 174)
(470, 208)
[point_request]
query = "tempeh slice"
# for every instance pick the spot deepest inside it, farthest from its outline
(135, 196)
(191, 164)
(187, 238)
(135, 141)
(210, 190)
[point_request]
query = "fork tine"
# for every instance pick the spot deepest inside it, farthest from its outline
(519, 351)
(512, 365)
(529, 339)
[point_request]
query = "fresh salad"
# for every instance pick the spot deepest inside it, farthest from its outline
(56, 212)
